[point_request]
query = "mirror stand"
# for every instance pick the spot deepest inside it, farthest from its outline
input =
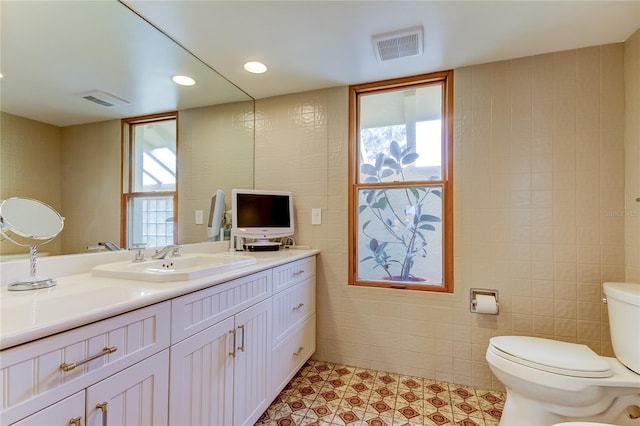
(34, 282)
(27, 223)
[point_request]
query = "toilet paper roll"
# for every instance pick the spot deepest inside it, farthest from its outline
(486, 304)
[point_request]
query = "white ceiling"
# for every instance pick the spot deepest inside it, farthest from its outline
(55, 52)
(306, 45)
(317, 44)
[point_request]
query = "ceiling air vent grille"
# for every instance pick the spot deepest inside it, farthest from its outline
(103, 98)
(398, 44)
(97, 100)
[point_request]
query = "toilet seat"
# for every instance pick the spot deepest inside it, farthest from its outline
(569, 359)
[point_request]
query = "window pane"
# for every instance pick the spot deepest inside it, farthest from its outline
(400, 231)
(406, 127)
(400, 235)
(154, 156)
(151, 221)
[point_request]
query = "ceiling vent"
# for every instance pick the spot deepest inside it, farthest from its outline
(398, 44)
(103, 98)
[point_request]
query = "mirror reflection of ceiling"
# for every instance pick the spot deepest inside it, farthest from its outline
(56, 52)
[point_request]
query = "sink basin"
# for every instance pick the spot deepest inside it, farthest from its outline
(183, 268)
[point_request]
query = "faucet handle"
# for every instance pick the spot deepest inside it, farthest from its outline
(138, 247)
(139, 256)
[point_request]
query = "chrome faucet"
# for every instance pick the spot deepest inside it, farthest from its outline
(171, 250)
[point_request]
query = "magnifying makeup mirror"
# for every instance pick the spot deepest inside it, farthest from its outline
(29, 223)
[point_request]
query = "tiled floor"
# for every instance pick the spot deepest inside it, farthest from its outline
(326, 394)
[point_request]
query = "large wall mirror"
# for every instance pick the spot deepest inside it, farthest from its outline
(61, 147)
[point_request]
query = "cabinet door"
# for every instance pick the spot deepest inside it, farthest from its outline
(252, 369)
(201, 372)
(63, 413)
(135, 396)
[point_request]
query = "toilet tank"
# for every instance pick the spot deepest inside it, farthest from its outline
(623, 305)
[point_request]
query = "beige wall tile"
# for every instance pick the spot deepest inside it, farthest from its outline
(632, 160)
(207, 162)
(31, 166)
(91, 177)
(534, 167)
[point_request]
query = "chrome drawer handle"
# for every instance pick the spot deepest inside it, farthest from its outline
(295, 308)
(300, 349)
(105, 351)
(295, 274)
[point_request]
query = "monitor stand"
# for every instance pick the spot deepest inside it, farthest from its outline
(262, 245)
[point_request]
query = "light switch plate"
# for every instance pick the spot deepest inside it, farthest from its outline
(198, 218)
(316, 216)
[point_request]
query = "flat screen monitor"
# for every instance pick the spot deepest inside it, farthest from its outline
(261, 214)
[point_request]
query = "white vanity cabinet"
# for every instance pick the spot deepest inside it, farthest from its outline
(221, 374)
(135, 396)
(113, 361)
(237, 345)
(294, 319)
(213, 356)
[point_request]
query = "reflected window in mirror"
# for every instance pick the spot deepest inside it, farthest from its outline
(149, 176)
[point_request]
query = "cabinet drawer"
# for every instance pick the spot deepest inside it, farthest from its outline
(60, 413)
(291, 307)
(287, 275)
(33, 375)
(292, 353)
(194, 312)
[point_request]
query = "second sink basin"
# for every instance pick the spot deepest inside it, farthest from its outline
(182, 268)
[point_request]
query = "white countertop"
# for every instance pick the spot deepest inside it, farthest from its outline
(80, 299)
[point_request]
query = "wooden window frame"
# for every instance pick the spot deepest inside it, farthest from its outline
(446, 79)
(127, 125)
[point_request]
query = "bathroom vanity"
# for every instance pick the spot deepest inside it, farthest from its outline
(211, 351)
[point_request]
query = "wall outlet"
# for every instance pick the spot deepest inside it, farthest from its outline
(316, 216)
(199, 218)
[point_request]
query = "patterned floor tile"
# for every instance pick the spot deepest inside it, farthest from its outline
(437, 419)
(326, 394)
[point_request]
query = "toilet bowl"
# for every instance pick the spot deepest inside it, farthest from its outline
(549, 381)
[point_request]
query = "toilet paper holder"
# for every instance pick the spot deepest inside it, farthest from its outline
(485, 292)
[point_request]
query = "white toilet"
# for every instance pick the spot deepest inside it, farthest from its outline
(549, 381)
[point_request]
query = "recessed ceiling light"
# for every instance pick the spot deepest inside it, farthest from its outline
(183, 80)
(255, 67)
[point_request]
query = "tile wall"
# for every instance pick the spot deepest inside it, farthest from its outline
(209, 162)
(30, 167)
(632, 156)
(91, 179)
(539, 181)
